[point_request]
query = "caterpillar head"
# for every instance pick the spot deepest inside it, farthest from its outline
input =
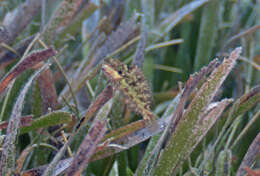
(114, 69)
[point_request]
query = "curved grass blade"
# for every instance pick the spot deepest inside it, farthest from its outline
(250, 157)
(7, 163)
(90, 143)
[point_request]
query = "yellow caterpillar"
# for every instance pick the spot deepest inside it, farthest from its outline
(130, 81)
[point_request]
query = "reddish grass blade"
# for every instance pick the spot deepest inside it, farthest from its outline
(30, 61)
(87, 148)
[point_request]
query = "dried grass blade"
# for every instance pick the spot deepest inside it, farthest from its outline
(87, 148)
(30, 61)
(48, 91)
(91, 141)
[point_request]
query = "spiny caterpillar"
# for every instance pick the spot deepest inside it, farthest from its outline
(130, 81)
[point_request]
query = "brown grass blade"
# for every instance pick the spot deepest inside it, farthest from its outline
(48, 91)
(104, 97)
(87, 148)
(30, 61)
